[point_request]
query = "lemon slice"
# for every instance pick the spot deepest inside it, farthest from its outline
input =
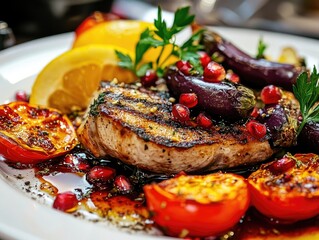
(125, 34)
(121, 33)
(68, 81)
(289, 55)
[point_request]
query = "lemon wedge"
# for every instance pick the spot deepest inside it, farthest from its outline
(68, 81)
(125, 34)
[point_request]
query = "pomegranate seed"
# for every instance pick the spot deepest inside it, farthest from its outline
(255, 112)
(256, 129)
(233, 77)
(22, 96)
(180, 112)
(188, 99)
(149, 79)
(214, 72)
(204, 121)
(122, 184)
(204, 58)
(184, 67)
(270, 94)
(66, 202)
(100, 175)
(282, 165)
(76, 162)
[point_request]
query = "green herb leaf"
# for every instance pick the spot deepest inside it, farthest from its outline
(162, 30)
(163, 36)
(193, 39)
(160, 72)
(142, 70)
(125, 60)
(194, 60)
(94, 108)
(182, 19)
(307, 93)
(261, 49)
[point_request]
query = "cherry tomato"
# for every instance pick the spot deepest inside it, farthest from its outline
(286, 191)
(198, 206)
(29, 134)
(96, 18)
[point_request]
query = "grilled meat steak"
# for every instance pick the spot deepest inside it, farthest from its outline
(137, 128)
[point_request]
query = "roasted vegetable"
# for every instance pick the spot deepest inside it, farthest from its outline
(30, 134)
(255, 72)
(93, 20)
(280, 123)
(201, 206)
(309, 137)
(287, 189)
(224, 99)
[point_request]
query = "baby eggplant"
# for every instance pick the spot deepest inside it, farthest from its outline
(280, 123)
(309, 137)
(254, 72)
(223, 99)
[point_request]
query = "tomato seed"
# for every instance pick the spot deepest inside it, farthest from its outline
(180, 112)
(188, 99)
(66, 202)
(270, 94)
(256, 129)
(214, 72)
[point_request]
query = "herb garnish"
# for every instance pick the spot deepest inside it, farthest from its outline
(307, 93)
(163, 37)
(95, 105)
(261, 49)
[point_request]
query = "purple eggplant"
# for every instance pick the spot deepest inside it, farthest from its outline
(281, 123)
(309, 137)
(226, 100)
(253, 72)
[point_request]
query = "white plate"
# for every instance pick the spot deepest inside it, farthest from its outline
(23, 218)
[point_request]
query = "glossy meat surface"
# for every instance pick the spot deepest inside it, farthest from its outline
(138, 129)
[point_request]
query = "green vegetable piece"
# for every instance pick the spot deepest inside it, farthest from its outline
(163, 36)
(306, 91)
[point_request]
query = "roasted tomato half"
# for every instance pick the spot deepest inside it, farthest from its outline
(93, 20)
(198, 206)
(29, 134)
(287, 189)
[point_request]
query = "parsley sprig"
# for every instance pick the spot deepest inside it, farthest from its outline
(164, 36)
(261, 49)
(306, 91)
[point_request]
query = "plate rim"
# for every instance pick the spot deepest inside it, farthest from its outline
(8, 228)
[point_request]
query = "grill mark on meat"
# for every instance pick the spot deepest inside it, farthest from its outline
(138, 129)
(143, 106)
(150, 128)
(141, 120)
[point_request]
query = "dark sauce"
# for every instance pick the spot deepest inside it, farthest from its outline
(59, 175)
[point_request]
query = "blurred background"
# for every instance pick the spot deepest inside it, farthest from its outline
(22, 20)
